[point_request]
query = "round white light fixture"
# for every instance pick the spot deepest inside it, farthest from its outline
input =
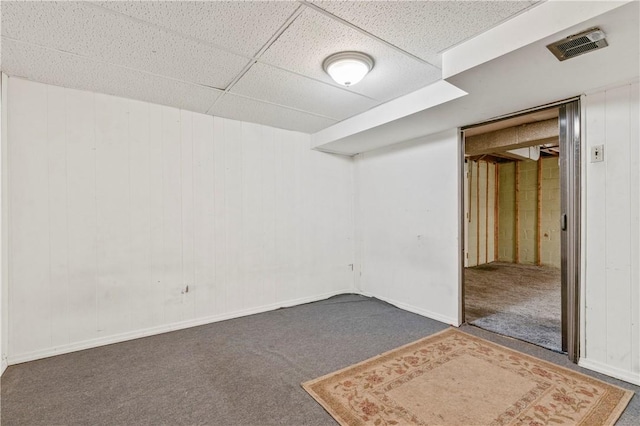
(348, 68)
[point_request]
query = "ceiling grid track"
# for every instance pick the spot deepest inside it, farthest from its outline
(285, 107)
(257, 56)
(165, 29)
(100, 61)
(365, 32)
(336, 86)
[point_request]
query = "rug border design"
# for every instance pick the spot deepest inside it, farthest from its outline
(594, 416)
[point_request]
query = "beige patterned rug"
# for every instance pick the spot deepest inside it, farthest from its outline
(453, 378)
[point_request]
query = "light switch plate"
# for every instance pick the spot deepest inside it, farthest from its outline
(597, 153)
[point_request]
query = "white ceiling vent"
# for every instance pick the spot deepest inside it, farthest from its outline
(577, 44)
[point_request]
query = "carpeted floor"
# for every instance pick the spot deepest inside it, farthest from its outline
(245, 371)
(521, 301)
(429, 380)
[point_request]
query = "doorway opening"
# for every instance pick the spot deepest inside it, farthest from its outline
(520, 207)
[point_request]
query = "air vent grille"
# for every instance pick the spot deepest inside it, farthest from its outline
(578, 44)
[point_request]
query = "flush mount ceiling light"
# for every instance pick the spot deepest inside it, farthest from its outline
(348, 68)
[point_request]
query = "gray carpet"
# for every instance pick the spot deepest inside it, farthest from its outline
(245, 371)
(521, 301)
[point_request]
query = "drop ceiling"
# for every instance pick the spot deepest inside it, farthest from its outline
(253, 61)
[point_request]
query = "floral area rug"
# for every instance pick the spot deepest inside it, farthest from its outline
(453, 378)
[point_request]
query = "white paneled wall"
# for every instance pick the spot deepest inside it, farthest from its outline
(4, 299)
(408, 225)
(116, 206)
(612, 214)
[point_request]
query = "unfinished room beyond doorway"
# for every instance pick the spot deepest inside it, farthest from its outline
(512, 198)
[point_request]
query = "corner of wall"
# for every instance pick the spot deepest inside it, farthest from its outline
(357, 231)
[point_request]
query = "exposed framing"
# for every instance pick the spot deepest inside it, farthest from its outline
(516, 219)
(496, 213)
(539, 213)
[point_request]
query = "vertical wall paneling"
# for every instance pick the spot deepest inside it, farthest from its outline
(116, 206)
(233, 143)
(220, 229)
(268, 187)
(139, 212)
(112, 206)
(4, 300)
(172, 256)
(81, 212)
(187, 160)
(595, 291)
(155, 294)
(204, 289)
(617, 237)
(57, 205)
(634, 228)
(284, 236)
(612, 236)
(29, 236)
(410, 255)
(252, 243)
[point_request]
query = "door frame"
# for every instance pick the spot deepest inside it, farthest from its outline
(569, 122)
(570, 209)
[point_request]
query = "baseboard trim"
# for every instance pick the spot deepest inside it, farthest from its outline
(410, 308)
(597, 366)
(3, 367)
(123, 337)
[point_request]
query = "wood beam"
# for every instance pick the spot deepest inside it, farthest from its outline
(496, 213)
(538, 133)
(477, 213)
(486, 216)
(517, 214)
(539, 213)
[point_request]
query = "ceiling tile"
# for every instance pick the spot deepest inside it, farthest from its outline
(424, 28)
(66, 70)
(313, 36)
(274, 85)
(239, 108)
(242, 27)
(96, 33)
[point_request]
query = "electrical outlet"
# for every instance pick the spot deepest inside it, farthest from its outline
(597, 153)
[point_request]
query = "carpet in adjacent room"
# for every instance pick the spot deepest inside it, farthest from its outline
(520, 301)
